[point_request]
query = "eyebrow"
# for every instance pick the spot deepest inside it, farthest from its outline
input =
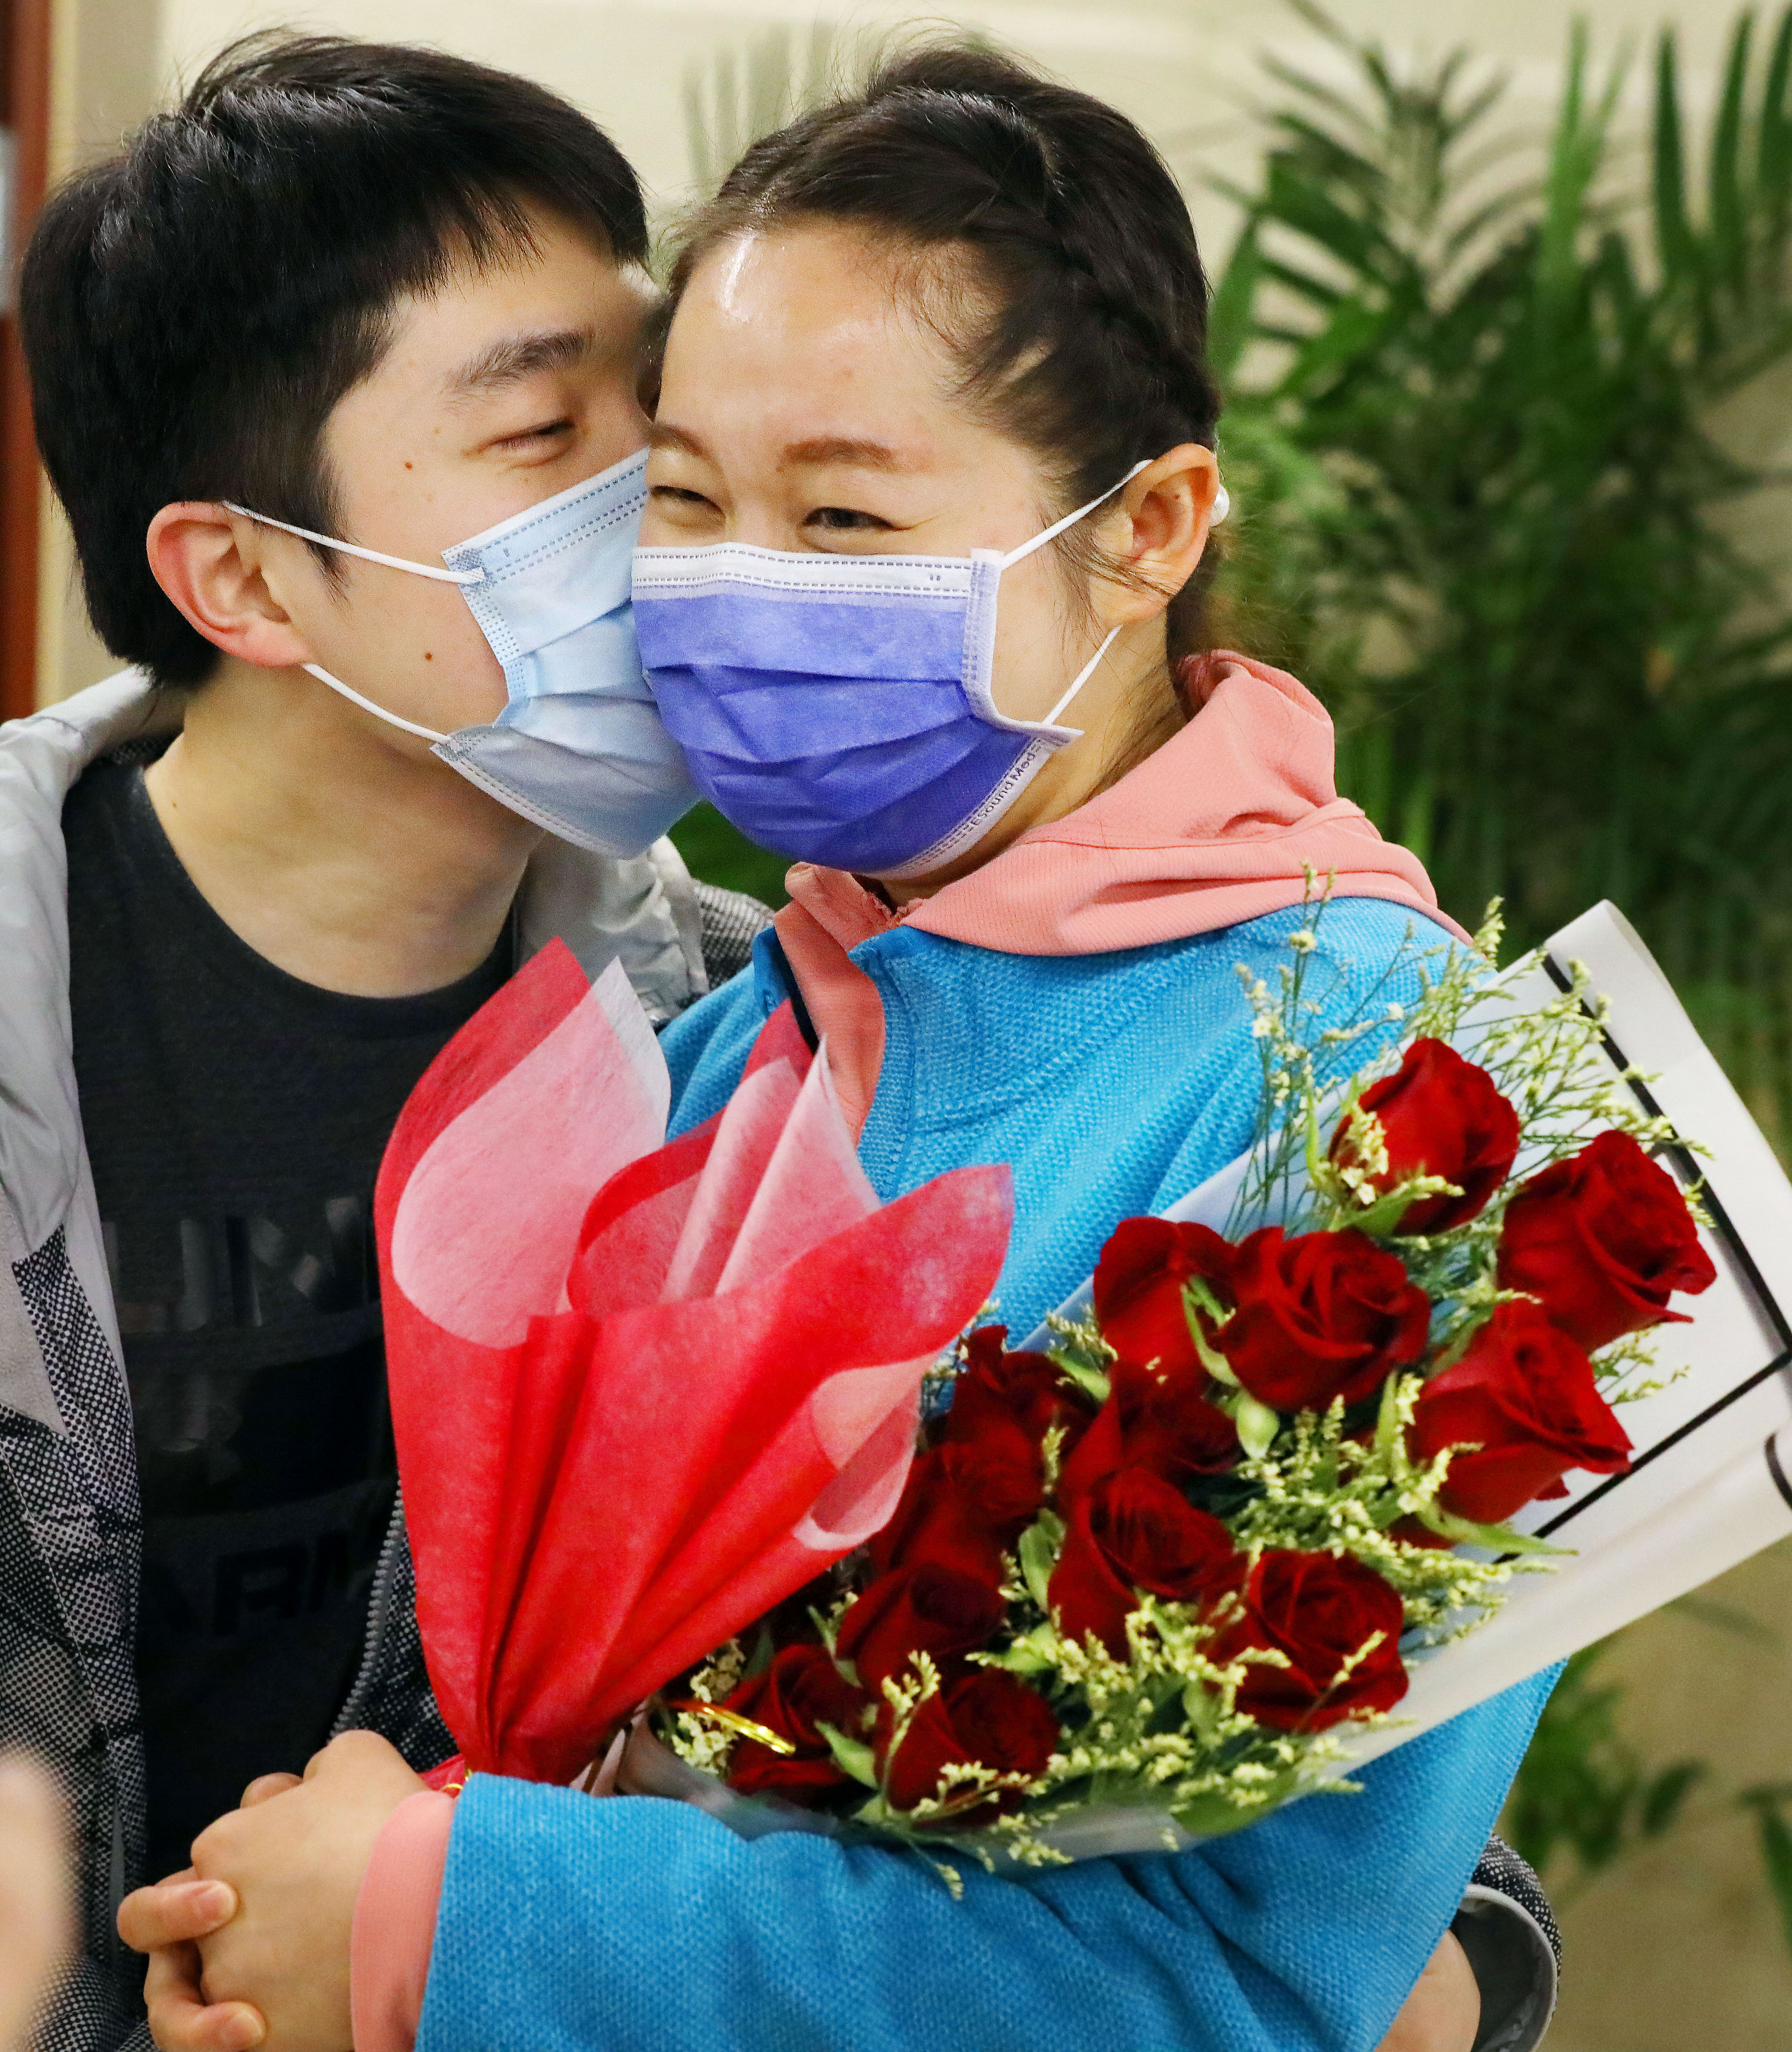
(838, 451)
(519, 356)
(829, 450)
(661, 434)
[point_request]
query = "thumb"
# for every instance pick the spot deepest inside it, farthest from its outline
(354, 1750)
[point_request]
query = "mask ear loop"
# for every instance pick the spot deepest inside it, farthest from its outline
(1070, 519)
(355, 549)
(366, 705)
(372, 556)
(1083, 676)
(1222, 506)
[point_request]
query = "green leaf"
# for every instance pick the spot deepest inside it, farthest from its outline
(1029, 1654)
(851, 1756)
(1663, 1796)
(1199, 1302)
(1038, 1552)
(1728, 213)
(1575, 157)
(1088, 1379)
(1676, 249)
(1773, 137)
(1495, 1538)
(1232, 312)
(1380, 1219)
(1257, 1425)
(1387, 1418)
(1771, 165)
(1776, 1850)
(1200, 1706)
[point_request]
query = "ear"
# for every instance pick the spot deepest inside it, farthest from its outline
(208, 561)
(1168, 508)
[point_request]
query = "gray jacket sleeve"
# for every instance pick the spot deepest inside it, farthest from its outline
(1508, 1929)
(730, 921)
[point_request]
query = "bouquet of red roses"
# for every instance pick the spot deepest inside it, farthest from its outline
(641, 1391)
(1171, 1563)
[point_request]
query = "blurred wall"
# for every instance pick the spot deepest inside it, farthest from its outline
(1680, 1947)
(108, 73)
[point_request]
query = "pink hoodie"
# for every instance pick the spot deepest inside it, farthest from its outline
(1224, 822)
(1232, 818)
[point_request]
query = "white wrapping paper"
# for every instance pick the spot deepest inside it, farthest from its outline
(1708, 1486)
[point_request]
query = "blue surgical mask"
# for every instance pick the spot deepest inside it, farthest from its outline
(837, 708)
(579, 748)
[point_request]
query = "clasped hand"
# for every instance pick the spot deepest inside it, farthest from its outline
(250, 1946)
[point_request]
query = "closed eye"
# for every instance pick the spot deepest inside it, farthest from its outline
(676, 495)
(547, 431)
(846, 520)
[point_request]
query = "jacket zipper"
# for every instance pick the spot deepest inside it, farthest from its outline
(379, 1609)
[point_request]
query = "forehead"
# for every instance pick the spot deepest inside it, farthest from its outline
(812, 319)
(526, 307)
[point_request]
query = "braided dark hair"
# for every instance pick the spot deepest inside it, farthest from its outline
(1093, 353)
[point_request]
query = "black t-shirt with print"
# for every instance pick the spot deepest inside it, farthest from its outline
(235, 1118)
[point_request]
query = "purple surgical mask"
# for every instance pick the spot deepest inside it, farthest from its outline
(837, 708)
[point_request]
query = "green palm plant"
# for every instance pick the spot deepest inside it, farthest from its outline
(1484, 513)
(1484, 506)
(738, 97)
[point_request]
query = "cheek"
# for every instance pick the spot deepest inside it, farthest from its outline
(1032, 636)
(453, 665)
(419, 652)
(657, 531)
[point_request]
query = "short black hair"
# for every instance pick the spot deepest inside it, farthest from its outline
(193, 309)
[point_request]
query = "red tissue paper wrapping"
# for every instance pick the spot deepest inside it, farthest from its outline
(641, 1392)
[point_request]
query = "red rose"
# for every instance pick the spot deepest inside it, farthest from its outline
(985, 1716)
(927, 1608)
(968, 1500)
(1168, 1424)
(1139, 1302)
(951, 1514)
(1003, 1398)
(1603, 1241)
(1321, 1612)
(1132, 1531)
(801, 1688)
(1524, 1395)
(1151, 1420)
(1440, 1116)
(1322, 1315)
